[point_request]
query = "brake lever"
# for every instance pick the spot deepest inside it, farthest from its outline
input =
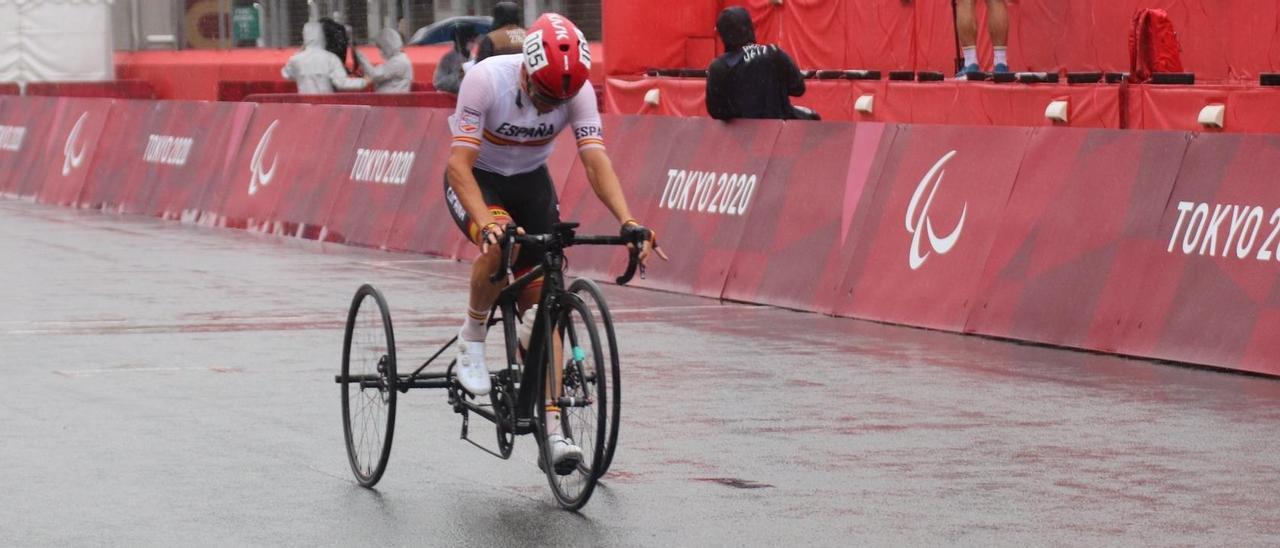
(505, 264)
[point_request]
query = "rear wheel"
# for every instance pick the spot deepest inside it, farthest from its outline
(583, 403)
(368, 387)
(593, 297)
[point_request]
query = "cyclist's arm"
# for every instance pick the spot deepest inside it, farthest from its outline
(605, 183)
(467, 124)
(463, 182)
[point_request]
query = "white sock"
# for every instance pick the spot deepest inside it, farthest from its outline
(473, 328)
(970, 55)
(1002, 56)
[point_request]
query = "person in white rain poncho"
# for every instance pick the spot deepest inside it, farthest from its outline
(315, 69)
(395, 74)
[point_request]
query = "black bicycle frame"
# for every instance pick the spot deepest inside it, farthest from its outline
(551, 270)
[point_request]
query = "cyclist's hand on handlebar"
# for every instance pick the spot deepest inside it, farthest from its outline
(491, 233)
(632, 227)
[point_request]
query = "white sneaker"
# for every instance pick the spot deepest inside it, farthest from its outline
(470, 369)
(565, 456)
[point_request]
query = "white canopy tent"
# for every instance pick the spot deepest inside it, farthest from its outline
(55, 41)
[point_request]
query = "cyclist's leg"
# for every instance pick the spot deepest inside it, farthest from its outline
(483, 292)
(535, 204)
(471, 371)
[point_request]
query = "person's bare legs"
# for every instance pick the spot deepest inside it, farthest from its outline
(998, 28)
(967, 32)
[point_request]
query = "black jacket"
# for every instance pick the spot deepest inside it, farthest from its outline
(753, 81)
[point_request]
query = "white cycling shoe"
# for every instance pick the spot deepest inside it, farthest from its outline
(565, 456)
(471, 372)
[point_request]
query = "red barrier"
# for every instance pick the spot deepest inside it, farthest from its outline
(189, 146)
(1220, 40)
(195, 74)
(237, 90)
(1209, 293)
(76, 136)
(116, 89)
(325, 164)
(272, 156)
(698, 200)
(1080, 228)
(24, 142)
(117, 175)
(429, 99)
(9, 88)
(934, 215)
(1249, 109)
(422, 222)
(800, 236)
(960, 103)
(391, 157)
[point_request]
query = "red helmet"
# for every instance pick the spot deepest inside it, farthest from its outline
(557, 58)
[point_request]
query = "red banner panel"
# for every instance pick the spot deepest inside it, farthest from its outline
(1080, 229)
(77, 126)
(797, 244)
(1211, 293)
(271, 157)
(117, 179)
(935, 213)
(390, 158)
(638, 147)
(188, 148)
(325, 163)
(697, 201)
(25, 135)
(422, 222)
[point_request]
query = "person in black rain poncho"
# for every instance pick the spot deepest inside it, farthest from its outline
(752, 80)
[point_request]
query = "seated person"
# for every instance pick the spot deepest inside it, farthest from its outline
(752, 80)
(395, 74)
(315, 69)
(448, 76)
(507, 36)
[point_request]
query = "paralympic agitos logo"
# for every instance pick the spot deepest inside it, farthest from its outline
(260, 177)
(71, 158)
(918, 216)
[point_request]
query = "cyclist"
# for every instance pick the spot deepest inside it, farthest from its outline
(510, 109)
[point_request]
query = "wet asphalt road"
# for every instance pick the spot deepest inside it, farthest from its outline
(172, 385)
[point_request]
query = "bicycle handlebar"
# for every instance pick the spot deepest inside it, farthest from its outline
(510, 237)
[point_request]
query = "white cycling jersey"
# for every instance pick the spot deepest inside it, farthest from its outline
(495, 116)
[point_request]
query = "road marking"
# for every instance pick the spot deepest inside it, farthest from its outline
(74, 373)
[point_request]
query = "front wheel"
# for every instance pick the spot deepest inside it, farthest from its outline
(593, 297)
(573, 342)
(368, 382)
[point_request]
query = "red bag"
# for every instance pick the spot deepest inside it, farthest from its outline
(1153, 45)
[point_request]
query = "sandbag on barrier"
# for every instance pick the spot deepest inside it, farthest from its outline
(801, 234)
(188, 149)
(1211, 291)
(24, 141)
(935, 211)
(389, 159)
(75, 138)
(1081, 226)
(117, 175)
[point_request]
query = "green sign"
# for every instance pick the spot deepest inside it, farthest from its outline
(244, 24)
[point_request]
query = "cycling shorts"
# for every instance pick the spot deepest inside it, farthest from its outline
(528, 199)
